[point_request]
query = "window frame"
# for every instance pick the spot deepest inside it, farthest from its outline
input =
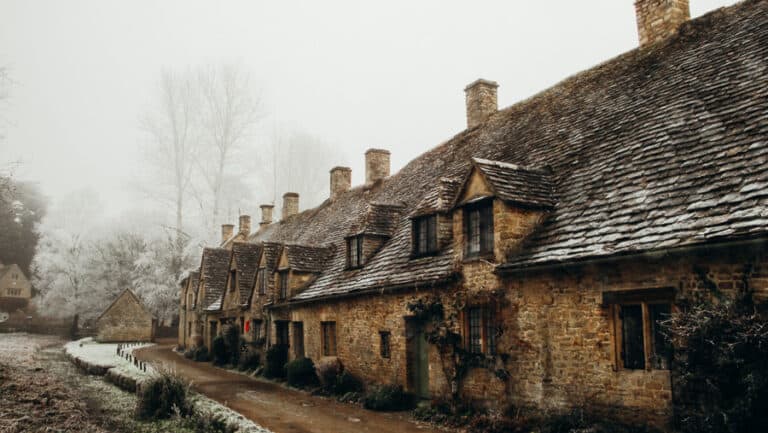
(424, 235)
(482, 213)
(262, 282)
(485, 329)
(357, 242)
(282, 279)
(282, 333)
(232, 280)
(385, 344)
(651, 358)
(298, 339)
(328, 338)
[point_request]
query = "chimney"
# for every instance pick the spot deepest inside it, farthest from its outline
(290, 204)
(659, 19)
(481, 101)
(245, 225)
(341, 181)
(376, 165)
(266, 215)
(226, 232)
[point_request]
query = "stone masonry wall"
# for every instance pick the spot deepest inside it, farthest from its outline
(125, 321)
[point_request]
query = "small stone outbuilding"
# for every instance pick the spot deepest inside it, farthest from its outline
(126, 319)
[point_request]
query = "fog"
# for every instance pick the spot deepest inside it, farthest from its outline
(351, 74)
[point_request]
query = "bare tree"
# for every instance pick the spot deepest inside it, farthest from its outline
(230, 111)
(174, 145)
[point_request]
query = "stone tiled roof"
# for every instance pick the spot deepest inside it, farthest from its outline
(305, 258)
(380, 219)
(246, 257)
(439, 199)
(660, 147)
(214, 270)
(516, 184)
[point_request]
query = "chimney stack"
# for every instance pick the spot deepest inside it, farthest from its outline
(290, 205)
(245, 225)
(659, 19)
(226, 232)
(266, 215)
(341, 181)
(376, 165)
(481, 101)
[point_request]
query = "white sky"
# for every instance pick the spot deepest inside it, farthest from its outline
(358, 74)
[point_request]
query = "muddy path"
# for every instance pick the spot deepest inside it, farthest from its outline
(279, 409)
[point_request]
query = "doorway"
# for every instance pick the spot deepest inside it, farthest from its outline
(417, 358)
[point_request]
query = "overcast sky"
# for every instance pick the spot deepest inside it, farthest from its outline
(358, 74)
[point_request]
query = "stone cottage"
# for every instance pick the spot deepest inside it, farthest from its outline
(126, 319)
(15, 288)
(553, 234)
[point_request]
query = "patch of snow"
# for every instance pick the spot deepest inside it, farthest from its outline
(243, 424)
(105, 355)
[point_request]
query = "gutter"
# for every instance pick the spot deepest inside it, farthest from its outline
(657, 254)
(453, 277)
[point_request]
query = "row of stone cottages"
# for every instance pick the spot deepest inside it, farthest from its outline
(554, 234)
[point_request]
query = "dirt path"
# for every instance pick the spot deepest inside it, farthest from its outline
(276, 408)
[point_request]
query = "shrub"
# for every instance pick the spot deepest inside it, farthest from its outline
(388, 398)
(219, 351)
(346, 383)
(201, 354)
(250, 360)
(720, 367)
(232, 344)
(189, 353)
(161, 397)
(301, 373)
(277, 357)
(328, 371)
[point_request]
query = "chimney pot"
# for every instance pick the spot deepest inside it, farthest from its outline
(376, 165)
(659, 19)
(245, 225)
(481, 101)
(226, 232)
(341, 181)
(290, 205)
(266, 215)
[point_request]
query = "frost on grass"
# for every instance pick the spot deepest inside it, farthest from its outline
(204, 404)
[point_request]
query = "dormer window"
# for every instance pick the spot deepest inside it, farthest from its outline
(262, 281)
(232, 279)
(478, 219)
(282, 281)
(424, 235)
(355, 257)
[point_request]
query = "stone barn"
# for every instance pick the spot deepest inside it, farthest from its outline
(126, 319)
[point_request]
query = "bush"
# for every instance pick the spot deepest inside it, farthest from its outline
(250, 360)
(328, 371)
(200, 354)
(277, 357)
(388, 398)
(720, 367)
(219, 351)
(161, 397)
(346, 383)
(189, 353)
(301, 373)
(232, 344)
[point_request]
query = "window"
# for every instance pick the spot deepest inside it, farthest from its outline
(191, 301)
(424, 235)
(13, 292)
(298, 339)
(232, 279)
(355, 252)
(189, 329)
(385, 344)
(256, 329)
(480, 330)
(243, 327)
(639, 342)
(283, 283)
(479, 229)
(262, 281)
(281, 333)
(329, 338)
